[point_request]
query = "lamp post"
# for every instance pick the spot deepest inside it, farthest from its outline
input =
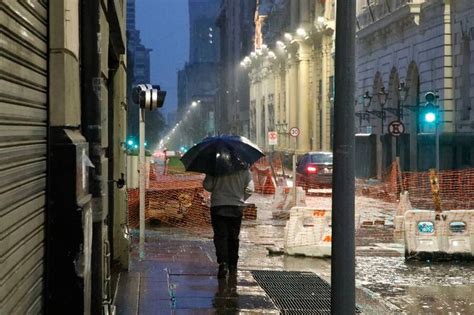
(382, 96)
(149, 97)
(402, 95)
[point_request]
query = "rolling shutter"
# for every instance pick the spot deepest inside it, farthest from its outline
(23, 148)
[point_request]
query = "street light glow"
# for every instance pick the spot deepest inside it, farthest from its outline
(194, 104)
(301, 32)
(288, 36)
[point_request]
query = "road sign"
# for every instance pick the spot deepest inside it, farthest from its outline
(272, 138)
(294, 132)
(396, 128)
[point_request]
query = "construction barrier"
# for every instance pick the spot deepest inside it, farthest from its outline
(398, 221)
(284, 200)
(439, 235)
(177, 199)
(456, 188)
(308, 232)
(263, 180)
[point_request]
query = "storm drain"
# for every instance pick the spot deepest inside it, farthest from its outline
(296, 292)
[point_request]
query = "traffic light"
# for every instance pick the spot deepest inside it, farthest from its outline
(429, 113)
(148, 96)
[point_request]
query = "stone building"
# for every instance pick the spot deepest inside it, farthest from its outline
(404, 50)
(197, 81)
(139, 70)
(291, 73)
(63, 120)
(235, 23)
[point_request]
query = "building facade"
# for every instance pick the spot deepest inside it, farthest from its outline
(197, 81)
(63, 122)
(404, 50)
(291, 72)
(236, 29)
(138, 61)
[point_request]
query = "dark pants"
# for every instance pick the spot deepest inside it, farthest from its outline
(226, 237)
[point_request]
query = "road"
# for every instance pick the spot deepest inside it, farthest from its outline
(381, 270)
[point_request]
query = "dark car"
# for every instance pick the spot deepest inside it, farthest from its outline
(314, 170)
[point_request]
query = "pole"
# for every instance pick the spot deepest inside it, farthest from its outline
(142, 182)
(343, 230)
(294, 175)
(437, 147)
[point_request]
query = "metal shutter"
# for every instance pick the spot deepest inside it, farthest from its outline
(23, 125)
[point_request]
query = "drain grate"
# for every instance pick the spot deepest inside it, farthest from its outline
(296, 292)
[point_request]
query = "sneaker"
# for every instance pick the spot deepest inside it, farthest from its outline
(222, 271)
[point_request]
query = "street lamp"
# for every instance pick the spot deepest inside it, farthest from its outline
(367, 98)
(402, 96)
(282, 128)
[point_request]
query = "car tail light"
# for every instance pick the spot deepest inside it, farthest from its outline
(311, 169)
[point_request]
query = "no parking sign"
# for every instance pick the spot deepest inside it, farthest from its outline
(272, 138)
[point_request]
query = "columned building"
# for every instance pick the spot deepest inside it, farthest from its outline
(291, 75)
(404, 50)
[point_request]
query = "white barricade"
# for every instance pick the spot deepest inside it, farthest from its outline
(459, 231)
(281, 193)
(300, 199)
(440, 235)
(308, 232)
(283, 199)
(403, 206)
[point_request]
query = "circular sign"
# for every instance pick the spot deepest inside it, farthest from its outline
(294, 132)
(396, 128)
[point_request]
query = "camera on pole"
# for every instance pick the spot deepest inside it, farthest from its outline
(148, 96)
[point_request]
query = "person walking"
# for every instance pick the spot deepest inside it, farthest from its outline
(228, 195)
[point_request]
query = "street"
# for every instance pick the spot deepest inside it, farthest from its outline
(385, 282)
(354, 122)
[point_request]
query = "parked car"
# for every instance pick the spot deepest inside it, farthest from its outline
(314, 170)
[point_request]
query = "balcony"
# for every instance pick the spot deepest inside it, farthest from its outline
(382, 14)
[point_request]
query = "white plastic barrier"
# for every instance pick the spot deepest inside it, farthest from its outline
(448, 233)
(459, 231)
(300, 199)
(403, 206)
(281, 193)
(308, 232)
(283, 199)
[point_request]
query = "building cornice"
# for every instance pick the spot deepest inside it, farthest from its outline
(408, 14)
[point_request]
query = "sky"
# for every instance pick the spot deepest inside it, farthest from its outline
(164, 28)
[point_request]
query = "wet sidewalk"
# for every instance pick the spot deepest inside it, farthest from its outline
(178, 276)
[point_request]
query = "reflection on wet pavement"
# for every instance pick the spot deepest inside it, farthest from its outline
(179, 273)
(434, 287)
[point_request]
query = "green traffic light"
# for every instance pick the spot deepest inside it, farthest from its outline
(430, 117)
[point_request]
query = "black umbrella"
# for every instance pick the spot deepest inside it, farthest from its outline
(221, 155)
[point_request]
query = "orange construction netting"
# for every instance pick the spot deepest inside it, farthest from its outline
(176, 199)
(456, 188)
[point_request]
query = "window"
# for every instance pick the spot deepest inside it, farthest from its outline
(321, 158)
